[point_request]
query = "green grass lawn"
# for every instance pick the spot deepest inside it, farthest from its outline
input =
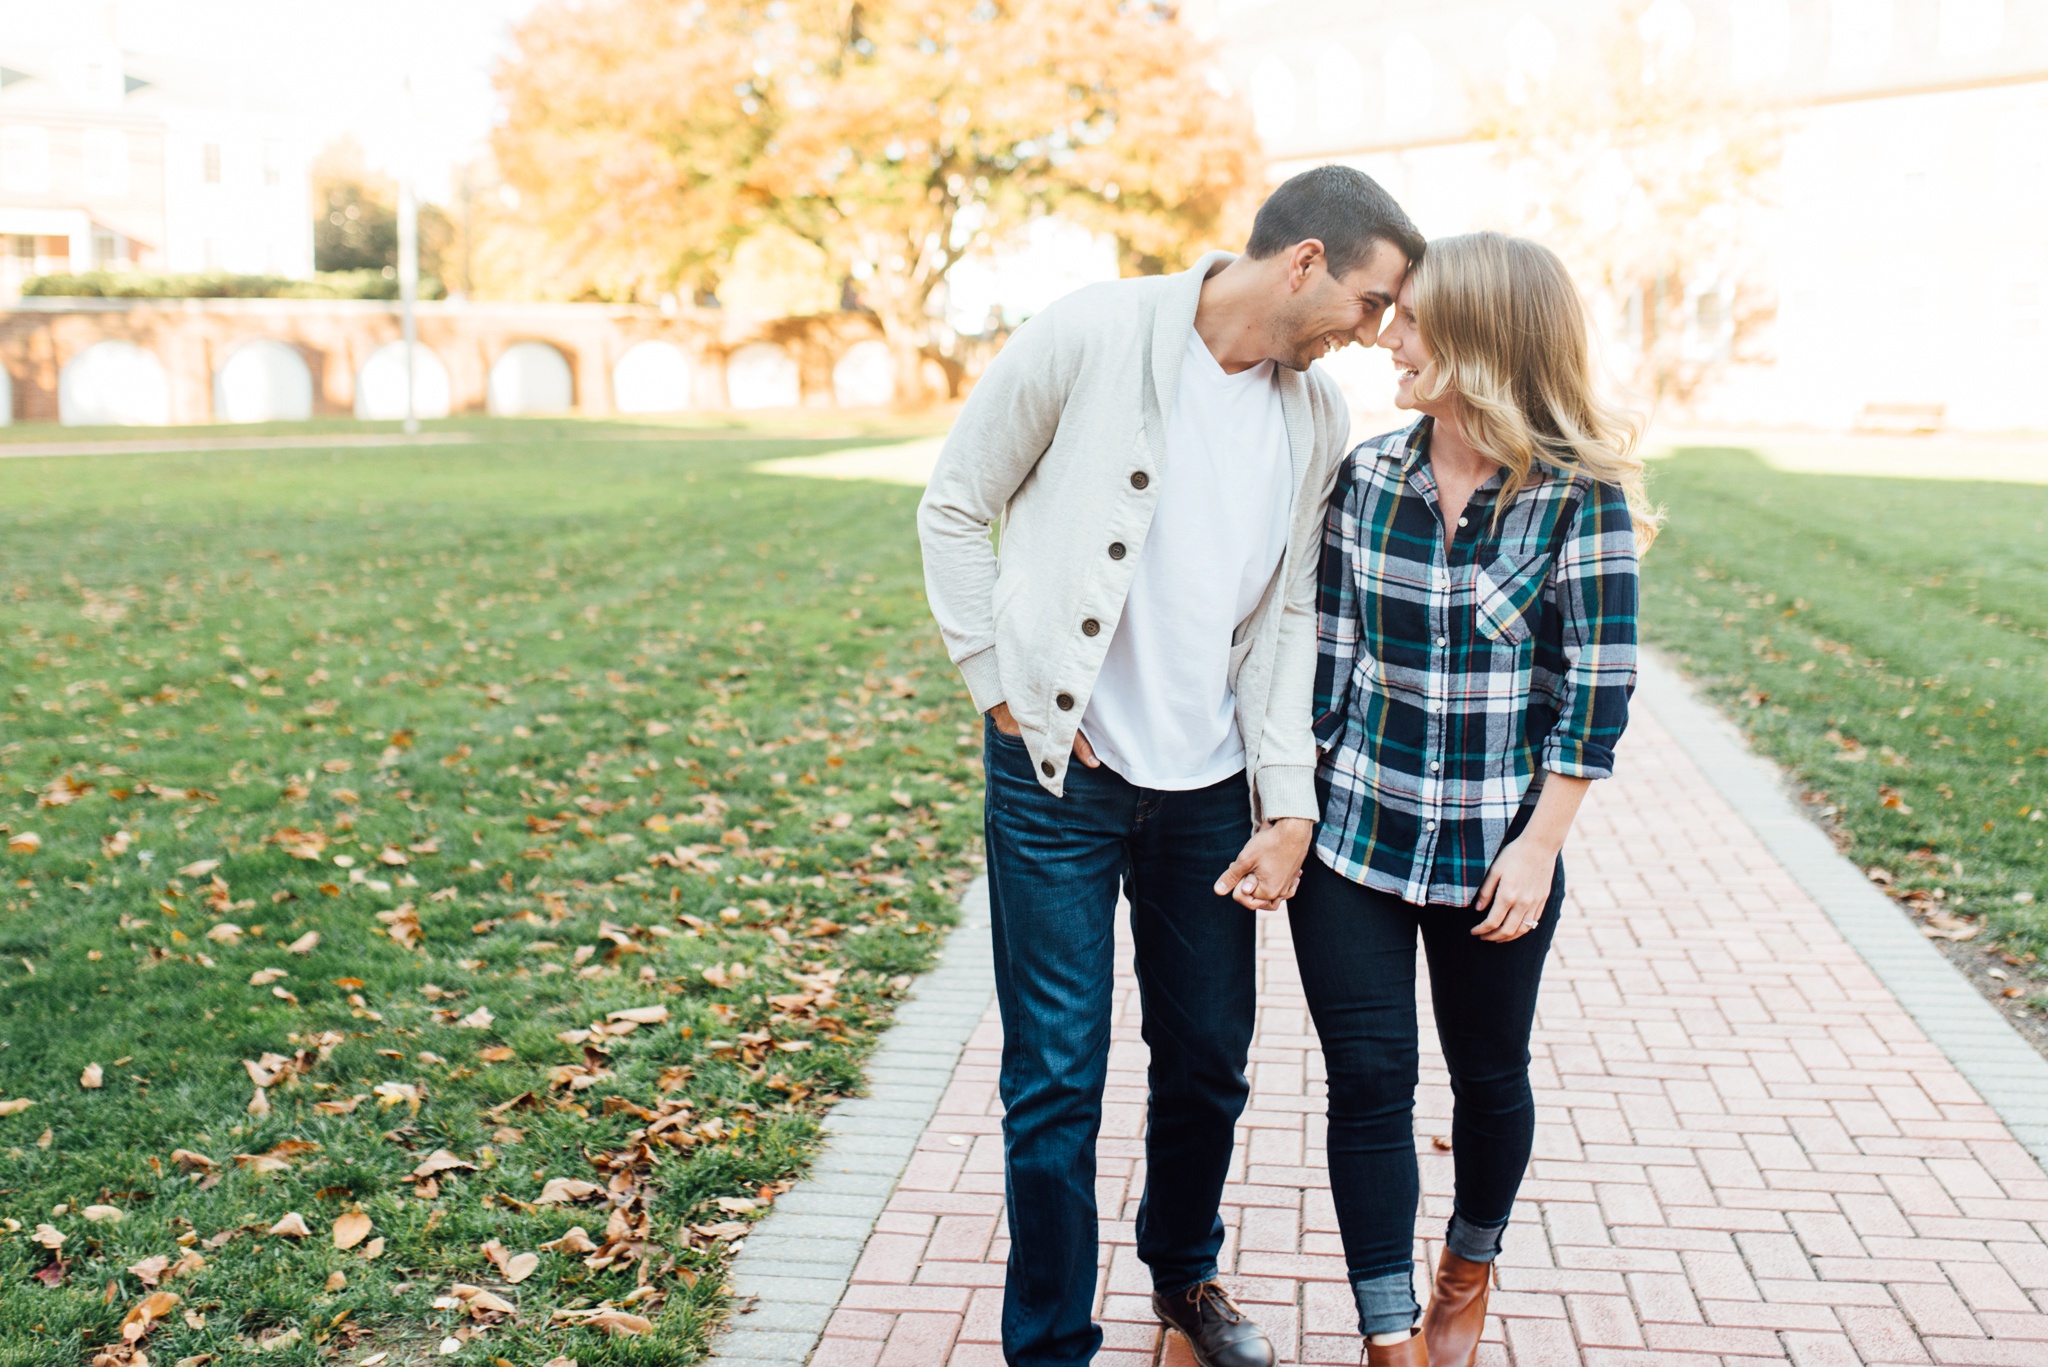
(1887, 640)
(386, 778)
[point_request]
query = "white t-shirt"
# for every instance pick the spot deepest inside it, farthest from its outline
(1163, 714)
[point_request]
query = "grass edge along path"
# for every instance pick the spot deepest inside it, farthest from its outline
(459, 884)
(1886, 642)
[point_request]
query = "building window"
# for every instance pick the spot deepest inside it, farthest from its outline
(1861, 36)
(106, 161)
(1971, 28)
(24, 157)
(1275, 97)
(106, 249)
(209, 157)
(1761, 44)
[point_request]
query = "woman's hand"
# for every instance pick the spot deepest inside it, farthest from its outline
(1516, 890)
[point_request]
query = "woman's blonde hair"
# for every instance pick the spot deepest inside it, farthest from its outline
(1506, 329)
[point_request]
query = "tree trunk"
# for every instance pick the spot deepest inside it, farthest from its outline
(899, 306)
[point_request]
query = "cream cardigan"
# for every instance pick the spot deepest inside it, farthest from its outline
(1062, 440)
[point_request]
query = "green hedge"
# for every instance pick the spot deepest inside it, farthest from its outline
(362, 284)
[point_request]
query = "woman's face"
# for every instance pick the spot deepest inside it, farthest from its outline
(1403, 339)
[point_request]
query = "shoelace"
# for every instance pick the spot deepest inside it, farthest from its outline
(1213, 1293)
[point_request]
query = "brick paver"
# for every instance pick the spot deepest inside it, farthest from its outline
(1746, 1151)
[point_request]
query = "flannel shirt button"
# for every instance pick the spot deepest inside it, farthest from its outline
(1429, 825)
(1090, 627)
(1116, 550)
(1139, 479)
(1443, 640)
(1463, 520)
(1065, 702)
(1437, 706)
(1046, 765)
(1434, 767)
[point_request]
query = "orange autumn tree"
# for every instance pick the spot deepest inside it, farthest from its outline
(649, 139)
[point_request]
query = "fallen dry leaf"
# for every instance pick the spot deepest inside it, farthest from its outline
(337, 1280)
(351, 1229)
(393, 1093)
(49, 1236)
(227, 933)
(404, 924)
(199, 868)
(192, 1162)
(259, 1104)
(305, 944)
(92, 1077)
(575, 1241)
(640, 1015)
(150, 1270)
(520, 1266)
(497, 1053)
(479, 1019)
(264, 977)
(109, 1215)
(24, 842)
(146, 1312)
(374, 1249)
(612, 1321)
(479, 1302)
(441, 1160)
(292, 1226)
(16, 1106)
(559, 1190)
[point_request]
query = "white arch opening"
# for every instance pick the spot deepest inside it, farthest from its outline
(530, 377)
(263, 381)
(865, 377)
(380, 384)
(114, 383)
(652, 377)
(762, 375)
(6, 398)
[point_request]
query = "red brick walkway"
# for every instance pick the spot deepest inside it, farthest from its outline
(1747, 1151)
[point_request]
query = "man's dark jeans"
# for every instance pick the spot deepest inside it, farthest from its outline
(1054, 866)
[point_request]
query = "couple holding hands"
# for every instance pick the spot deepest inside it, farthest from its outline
(1227, 666)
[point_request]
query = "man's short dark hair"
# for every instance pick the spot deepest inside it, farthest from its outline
(1344, 209)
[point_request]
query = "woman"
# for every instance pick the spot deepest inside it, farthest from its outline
(1478, 632)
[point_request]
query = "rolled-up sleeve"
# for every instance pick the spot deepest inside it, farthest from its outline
(1594, 586)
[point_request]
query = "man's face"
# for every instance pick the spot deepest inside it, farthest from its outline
(1325, 313)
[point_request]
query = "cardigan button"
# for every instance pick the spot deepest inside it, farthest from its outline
(1116, 550)
(1090, 627)
(1046, 765)
(1139, 479)
(1065, 702)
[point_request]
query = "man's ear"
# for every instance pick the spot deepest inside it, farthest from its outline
(1304, 261)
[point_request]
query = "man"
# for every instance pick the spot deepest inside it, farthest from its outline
(1160, 455)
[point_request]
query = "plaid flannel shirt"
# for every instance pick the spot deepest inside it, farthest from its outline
(1452, 675)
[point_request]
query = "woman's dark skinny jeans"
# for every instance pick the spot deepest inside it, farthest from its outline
(1356, 949)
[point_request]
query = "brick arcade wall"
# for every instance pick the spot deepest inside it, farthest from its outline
(193, 337)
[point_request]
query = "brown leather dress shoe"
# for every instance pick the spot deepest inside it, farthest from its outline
(1412, 1351)
(1457, 1311)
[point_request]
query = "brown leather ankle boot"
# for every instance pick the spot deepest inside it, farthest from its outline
(1457, 1311)
(1409, 1352)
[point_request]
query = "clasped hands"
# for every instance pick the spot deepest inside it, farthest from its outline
(1266, 871)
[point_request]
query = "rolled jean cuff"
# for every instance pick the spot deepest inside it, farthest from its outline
(1386, 1301)
(1472, 1241)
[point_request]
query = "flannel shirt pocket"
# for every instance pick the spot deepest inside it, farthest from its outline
(1502, 593)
